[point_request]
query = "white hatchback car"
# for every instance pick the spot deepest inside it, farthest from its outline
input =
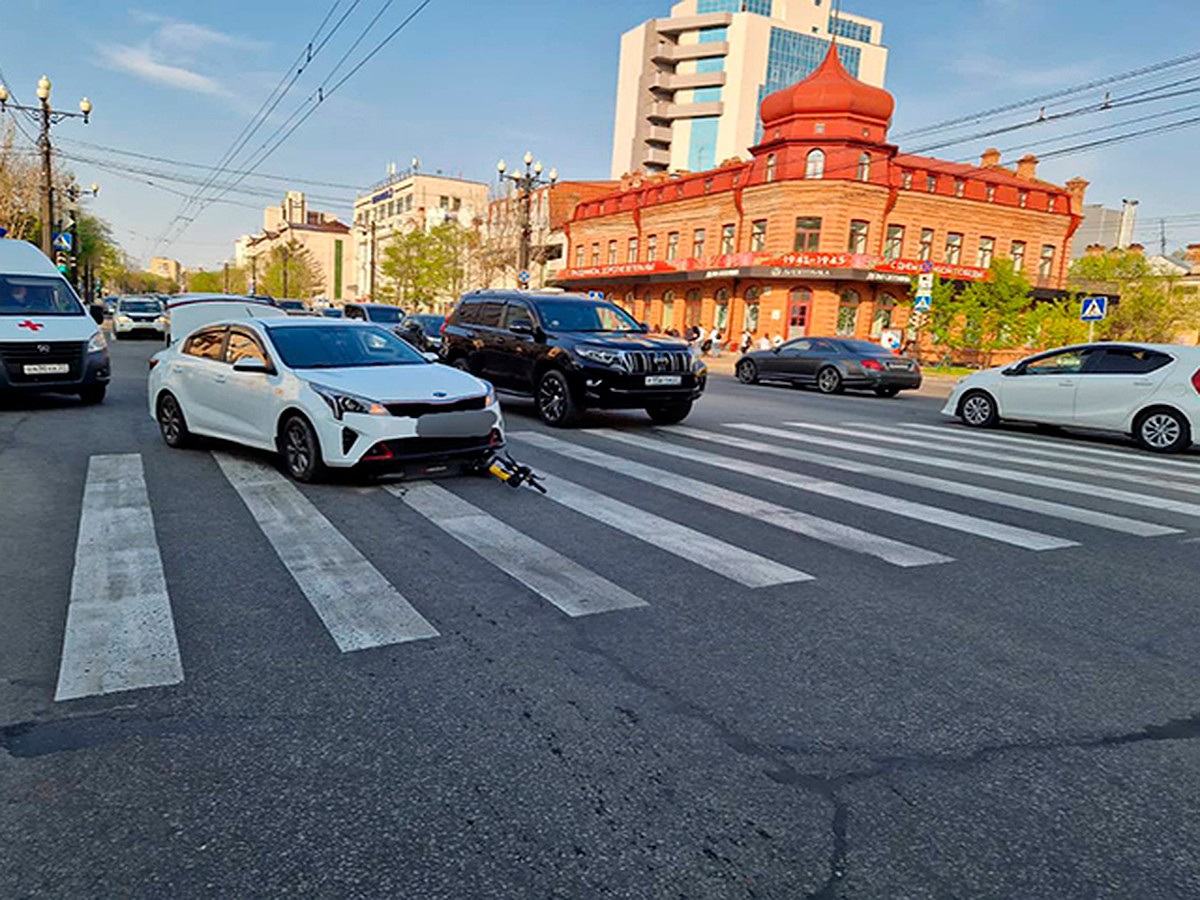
(321, 393)
(1150, 391)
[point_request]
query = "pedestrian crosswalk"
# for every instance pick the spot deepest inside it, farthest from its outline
(772, 508)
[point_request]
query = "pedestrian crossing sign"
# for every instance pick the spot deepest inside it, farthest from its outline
(923, 303)
(1094, 309)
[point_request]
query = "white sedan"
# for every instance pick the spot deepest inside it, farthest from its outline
(321, 393)
(1150, 391)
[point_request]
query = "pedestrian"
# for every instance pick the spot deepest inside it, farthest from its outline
(714, 340)
(747, 342)
(777, 341)
(764, 343)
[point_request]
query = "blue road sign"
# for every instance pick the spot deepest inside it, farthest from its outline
(62, 241)
(927, 266)
(1093, 309)
(596, 295)
(923, 303)
(524, 277)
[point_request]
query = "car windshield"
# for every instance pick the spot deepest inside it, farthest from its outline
(864, 348)
(31, 295)
(332, 313)
(387, 314)
(139, 306)
(582, 315)
(334, 346)
(291, 304)
(429, 324)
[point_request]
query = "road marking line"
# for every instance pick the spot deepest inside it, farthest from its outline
(725, 559)
(360, 608)
(933, 515)
(882, 433)
(1000, 498)
(120, 634)
(1059, 484)
(948, 433)
(565, 583)
(842, 536)
(1060, 447)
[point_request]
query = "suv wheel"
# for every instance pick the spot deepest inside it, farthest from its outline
(554, 403)
(299, 450)
(669, 413)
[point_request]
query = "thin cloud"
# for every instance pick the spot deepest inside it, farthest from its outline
(140, 61)
(176, 34)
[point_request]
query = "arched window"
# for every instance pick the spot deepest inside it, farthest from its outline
(864, 167)
(847, 321)
(629, 304)
(771, 167)
(721, 310)
(750, 317)
(885, 304)
(647, 299)
(692, 306)
(814, 166)
(668, 310)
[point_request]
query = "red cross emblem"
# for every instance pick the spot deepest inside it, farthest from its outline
(31, 325)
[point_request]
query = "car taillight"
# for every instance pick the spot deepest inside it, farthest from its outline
(872, 365)
(1196, 381)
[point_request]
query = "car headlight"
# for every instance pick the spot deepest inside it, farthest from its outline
(340, 402)
(599, 355)
(97, 344)
(491, 394)
(124, 320)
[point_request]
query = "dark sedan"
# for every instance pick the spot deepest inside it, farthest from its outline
(832, 365)
(423, 331)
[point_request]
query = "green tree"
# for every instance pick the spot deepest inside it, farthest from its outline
(291, 272)
(994, 310)
(213, 282)
(1150, 305)
(426, 267)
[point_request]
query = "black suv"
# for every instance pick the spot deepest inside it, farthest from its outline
(571, 353)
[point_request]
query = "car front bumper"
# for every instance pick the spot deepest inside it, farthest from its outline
(608, 389)
(139, 327)
(401, 443)
(92, 369)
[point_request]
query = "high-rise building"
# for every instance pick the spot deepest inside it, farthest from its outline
(1107, 228)
(689, 86)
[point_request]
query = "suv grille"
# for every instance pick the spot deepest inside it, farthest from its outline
(16, 355)
(415, 410)
(654, 362)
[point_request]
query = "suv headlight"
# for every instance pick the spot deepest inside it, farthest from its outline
(601, 355)
(340, 402)
(124, 319)
(97, 344)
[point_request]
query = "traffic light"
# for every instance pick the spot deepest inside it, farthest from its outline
(60, 260)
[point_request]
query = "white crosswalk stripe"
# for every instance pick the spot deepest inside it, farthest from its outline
(568, 585)
(824, 530)
(120, 633)
(358, 606)
(1000, 498)
(932, 460)
(725, 559)
(1093, 470)
(932, 515)
(1125, 460)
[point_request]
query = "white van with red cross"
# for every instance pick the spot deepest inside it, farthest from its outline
(49, 342)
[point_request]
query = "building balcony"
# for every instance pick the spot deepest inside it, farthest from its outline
(695, 110)
(655, 156)
(667, 81)
(692, 23)
(659, 109)
(658, 134)
(674, 53)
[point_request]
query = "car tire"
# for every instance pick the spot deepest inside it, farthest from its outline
(93, 394)
(300, 450)
(172, 424)
(978, 410)
(1162, 430)
(829, 381)
(747, 371)
(669, 413)
(887, 392)
(555, 406)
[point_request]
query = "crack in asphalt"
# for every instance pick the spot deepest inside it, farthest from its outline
(831, 787)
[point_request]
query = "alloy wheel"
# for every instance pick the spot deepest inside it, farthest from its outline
(829, 381)
(1161, 431)
(168, 419)
(552, 398)
(977, 410)
(297, 449)
(747, 372)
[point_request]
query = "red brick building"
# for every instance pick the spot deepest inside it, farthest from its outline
(822, 231)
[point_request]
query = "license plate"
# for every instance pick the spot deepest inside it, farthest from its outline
(663, 380)
(48, 369)
(897, 365)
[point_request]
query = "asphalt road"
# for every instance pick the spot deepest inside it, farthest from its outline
(930, 690)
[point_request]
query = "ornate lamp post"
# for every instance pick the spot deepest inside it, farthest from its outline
(45, 117)
(526, 183)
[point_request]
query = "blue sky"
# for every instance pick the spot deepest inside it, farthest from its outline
(472, 81)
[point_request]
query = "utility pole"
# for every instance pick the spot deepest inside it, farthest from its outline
(226, 274)
(526, 182)
(46, 117)
(285, 272)
(254, 275)
(371, 276)
(1162, 236)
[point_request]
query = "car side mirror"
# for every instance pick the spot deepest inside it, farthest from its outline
(643, 327)
(97, 312)
(521, 326)
(250, 364)
(1013, 370)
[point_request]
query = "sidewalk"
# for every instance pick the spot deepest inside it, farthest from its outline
(931, 385)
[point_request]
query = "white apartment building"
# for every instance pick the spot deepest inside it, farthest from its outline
(406, 200)
(689, 86)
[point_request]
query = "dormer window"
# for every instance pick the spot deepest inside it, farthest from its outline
(1023, 199)
(960, 187)
(991, 193)
(864, 168)
(931, 183)
(906, 180)
(1050, 204)
(814, 165)
(771, 167)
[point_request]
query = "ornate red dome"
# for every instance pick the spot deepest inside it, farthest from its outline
(829, 90)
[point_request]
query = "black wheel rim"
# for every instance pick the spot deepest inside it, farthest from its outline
(170, 421)
(298, 449)
(552, 399)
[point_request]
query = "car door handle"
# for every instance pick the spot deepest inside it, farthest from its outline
(1144, 383)
(220, 378)
(1068, 383)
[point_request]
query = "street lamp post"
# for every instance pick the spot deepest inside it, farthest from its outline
(45, 117)
(526, 182)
